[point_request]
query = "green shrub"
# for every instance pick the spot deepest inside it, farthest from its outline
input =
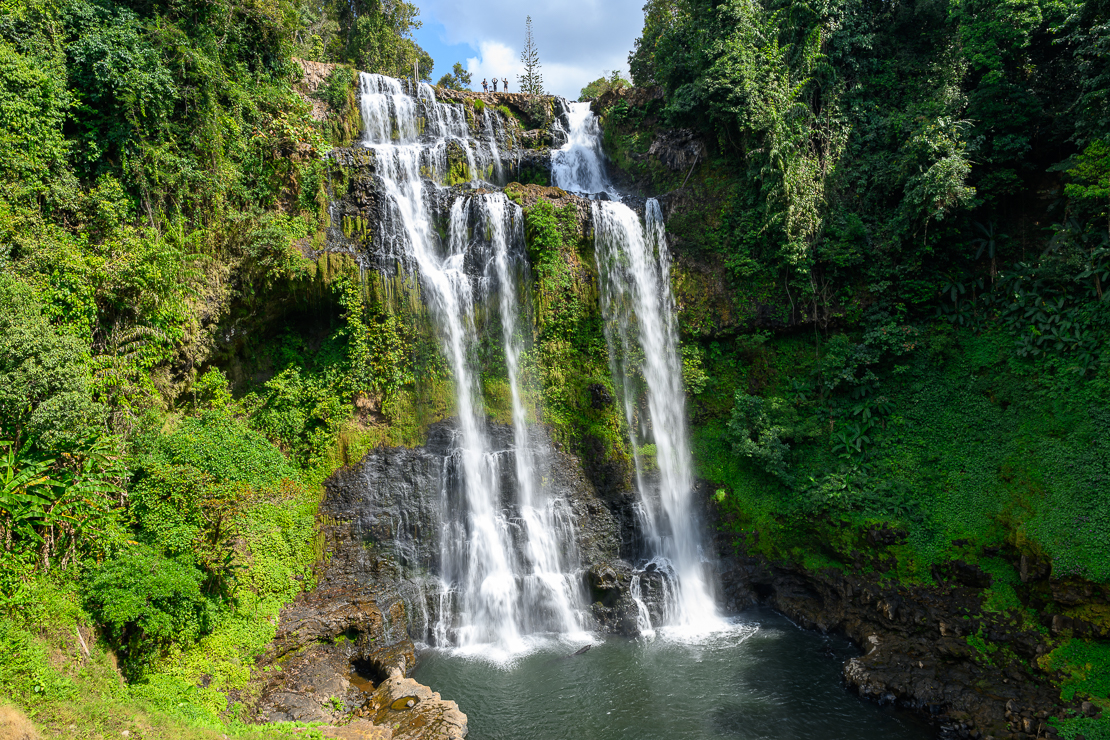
(1089, 728)
(146, 602)
(756, 435)
(33, 108)
(335, 90)
(222, 447)
(165, 507)
(121, 78)
(694, 376)
(180, 512)
(212, 390)
(44, 377)
(177, 697)
(1085, 665)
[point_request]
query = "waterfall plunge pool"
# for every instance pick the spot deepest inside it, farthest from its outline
(761, 679)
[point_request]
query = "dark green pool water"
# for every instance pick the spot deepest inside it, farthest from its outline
(762, 679)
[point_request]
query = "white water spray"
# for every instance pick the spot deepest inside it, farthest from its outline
(547, 525)
(580, 164)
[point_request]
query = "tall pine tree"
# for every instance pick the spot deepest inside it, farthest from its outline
(531, 81)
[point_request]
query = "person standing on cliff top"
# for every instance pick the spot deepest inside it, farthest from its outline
(485, 85)
(504, 84)
(495, 84)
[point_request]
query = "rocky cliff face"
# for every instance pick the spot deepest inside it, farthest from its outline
(344, 649)
(524, 128)
(339, 658)
(387, 514)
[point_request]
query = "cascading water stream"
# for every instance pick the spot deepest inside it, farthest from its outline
(547, 586)
(507, 566)
(637, 302)
(634, 267)
(489, 602)
(580, 164)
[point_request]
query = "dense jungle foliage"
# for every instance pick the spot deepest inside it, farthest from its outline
(894, 247)
(160, 176)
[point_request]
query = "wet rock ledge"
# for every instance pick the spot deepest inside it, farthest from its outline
(914, 640)
(336, 660)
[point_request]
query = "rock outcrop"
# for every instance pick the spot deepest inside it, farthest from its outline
(314, 75)
(342, 650)
(914, 641)
(413, 711)
(385, 512)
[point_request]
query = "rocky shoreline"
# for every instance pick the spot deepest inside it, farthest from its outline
(913, 637)
(342, 653)
(336, 660)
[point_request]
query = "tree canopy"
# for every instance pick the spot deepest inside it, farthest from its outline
(457, 79)
(614, 80)
(874, 136)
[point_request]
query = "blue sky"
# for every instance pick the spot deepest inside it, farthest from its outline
(577, 39)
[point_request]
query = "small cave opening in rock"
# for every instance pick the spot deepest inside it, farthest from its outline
(366, 675)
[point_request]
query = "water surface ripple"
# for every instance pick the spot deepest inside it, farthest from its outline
(762, 679)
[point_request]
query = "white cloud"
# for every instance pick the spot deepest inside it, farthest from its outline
(494, 59)
(577, 39)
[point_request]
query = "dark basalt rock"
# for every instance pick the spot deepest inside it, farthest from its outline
(600, 397)
(913, 638)
(532, 165)
(1030, 569)
(387, 510)
(885, 535)
(308, 666)
(678, 149)
(962, 573)
(536, 139)
(605, 584)
(342, 650)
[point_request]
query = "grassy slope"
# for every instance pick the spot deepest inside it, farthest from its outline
(68, 683)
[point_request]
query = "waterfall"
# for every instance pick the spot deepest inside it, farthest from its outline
(547, 526)
(580, 164)
(634, 267)
(507, 550)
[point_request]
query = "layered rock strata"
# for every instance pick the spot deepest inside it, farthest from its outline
(385, 514)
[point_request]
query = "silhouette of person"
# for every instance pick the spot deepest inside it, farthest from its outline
(485, 85)
(495, 84)
(505, 84)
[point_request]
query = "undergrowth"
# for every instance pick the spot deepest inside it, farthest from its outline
(569, 365)
(964, 448)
